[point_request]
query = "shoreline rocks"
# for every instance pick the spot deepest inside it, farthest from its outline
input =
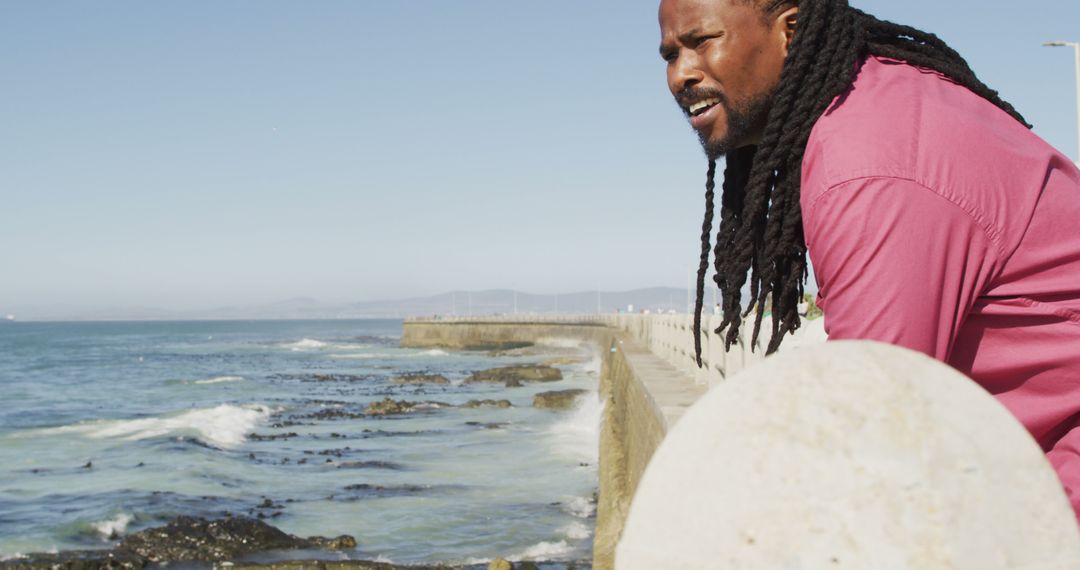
(198, 539)
(390, 407)
(184, 539)
(516, 374)
(558, 400)
(419, 378)
(487, 404)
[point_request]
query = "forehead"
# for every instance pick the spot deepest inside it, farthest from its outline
(679, 16)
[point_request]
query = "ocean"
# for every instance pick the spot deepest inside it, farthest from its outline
(108, 428)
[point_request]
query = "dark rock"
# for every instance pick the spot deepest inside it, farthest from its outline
(557, 400)
(336, 378)
(343, 542)
(520, 372)
(389, 406)
(361, 491)
(371, 465)
(487, 404)
(514, 383)
(77, 560)
(198, 539)
(491, 425)
(418, 378)
(497, 346)
(335, 565)
(273, 437)
(334, 414)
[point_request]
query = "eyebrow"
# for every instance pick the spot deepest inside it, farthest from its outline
(683, 38)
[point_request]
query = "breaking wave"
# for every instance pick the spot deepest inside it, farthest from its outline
(580, 507)
(219, 380)
(545, 551)
(578, 434)
(306, 344)
(576, 531)
(111, 528)
(224, 427)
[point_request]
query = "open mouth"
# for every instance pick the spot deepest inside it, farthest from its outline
(702, 106)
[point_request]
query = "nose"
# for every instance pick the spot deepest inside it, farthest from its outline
(684, 72)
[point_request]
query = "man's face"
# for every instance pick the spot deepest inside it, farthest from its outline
(724, 59)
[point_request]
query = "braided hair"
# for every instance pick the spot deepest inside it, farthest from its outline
(761, 232)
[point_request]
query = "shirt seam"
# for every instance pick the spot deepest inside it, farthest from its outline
(1071, 316)
(987, 229)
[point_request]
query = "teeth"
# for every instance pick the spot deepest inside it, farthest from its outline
(703, 104)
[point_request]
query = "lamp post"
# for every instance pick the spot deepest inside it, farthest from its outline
(1076, 49)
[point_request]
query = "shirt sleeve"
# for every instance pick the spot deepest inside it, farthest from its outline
(896, 262)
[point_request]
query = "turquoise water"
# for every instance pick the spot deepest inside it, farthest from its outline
(108, 428)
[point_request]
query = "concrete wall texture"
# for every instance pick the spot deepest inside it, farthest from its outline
(649, 380)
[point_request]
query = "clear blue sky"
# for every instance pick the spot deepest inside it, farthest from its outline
(197, 153)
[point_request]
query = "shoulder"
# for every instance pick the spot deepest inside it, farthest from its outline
(903, 122)
(900, 120)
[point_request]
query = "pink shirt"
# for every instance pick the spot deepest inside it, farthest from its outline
(937, 222)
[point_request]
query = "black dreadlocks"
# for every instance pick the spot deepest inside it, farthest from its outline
(760, 219)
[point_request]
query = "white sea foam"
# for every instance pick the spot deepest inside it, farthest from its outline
(544, 551)
(310, 344)
(225, 426)
(113, 527)
(306, 344)
(14, 556)
(560, 342)
(370, 355)
(576, 531)
(577, 435)
(219, 380)
(592, 367)
(580, 507)
(360, 356)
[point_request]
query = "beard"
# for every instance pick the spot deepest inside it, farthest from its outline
(744, 119)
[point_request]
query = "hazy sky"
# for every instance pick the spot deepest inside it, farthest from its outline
(194, 153)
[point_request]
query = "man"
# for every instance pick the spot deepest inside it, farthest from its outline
(935, 219)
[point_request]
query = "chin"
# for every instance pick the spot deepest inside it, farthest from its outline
(715, 147)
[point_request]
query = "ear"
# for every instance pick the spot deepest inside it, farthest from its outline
(786, 23)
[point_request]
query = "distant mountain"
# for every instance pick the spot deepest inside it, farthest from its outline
(506, 301)
(459, 303)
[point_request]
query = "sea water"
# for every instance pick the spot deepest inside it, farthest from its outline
(109, 428)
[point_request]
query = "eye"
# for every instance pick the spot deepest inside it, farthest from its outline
(669, 55)
(702, 40)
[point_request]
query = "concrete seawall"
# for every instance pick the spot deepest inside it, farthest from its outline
(647, 381)
(893, 444)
